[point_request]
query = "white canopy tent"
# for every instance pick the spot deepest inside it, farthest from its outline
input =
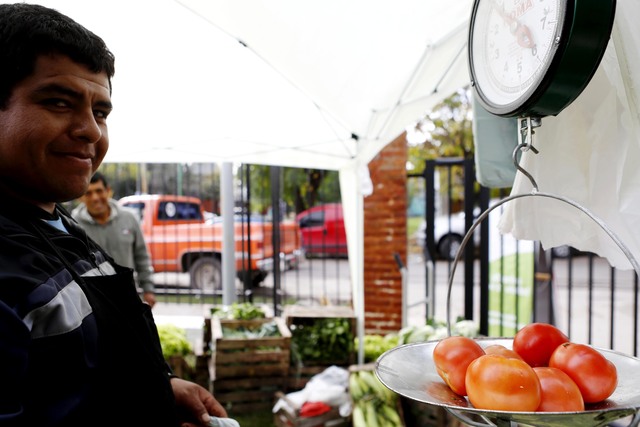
(327, 84)
(301, 84)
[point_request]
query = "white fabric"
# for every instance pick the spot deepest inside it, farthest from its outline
(329, 386)
(327, 84)
(590, 154)
(321, 84)
(313, 74)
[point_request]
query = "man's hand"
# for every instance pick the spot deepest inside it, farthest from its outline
(149, 298)
(196, 403)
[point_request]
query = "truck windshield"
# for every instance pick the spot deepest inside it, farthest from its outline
(179, 210)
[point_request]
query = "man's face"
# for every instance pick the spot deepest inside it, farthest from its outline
(97, 199)
(53, 133)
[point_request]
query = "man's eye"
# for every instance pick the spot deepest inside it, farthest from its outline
(57, 102)
(101, 114)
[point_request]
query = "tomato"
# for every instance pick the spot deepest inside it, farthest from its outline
(501, 350)
(451, 356)
(595, 375)
(536, 341)
(559, 392)
(501, 383)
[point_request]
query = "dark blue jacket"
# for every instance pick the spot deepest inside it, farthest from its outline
(52, 358)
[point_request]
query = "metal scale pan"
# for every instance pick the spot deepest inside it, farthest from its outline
(409, 370)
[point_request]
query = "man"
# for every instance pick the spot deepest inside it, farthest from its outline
(77, 345)
(117, 231)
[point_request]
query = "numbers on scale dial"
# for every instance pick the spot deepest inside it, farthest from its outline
(519, 35)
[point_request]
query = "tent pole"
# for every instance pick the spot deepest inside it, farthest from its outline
(228, 238)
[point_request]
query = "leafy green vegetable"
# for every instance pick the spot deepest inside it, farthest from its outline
(435, 330)
(269, 329)
(375, 345)
(174, 341)
(322, 340)
(238, 311)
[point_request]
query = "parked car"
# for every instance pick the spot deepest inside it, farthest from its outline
(181, 239)
(322, 231)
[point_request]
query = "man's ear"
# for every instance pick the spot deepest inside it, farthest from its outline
(110, 192)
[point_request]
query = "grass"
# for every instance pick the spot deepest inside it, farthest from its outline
(412, 225)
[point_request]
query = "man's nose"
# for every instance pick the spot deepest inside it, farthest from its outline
(85, 127)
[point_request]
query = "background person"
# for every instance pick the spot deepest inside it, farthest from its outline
(78, 346)
(117, 231)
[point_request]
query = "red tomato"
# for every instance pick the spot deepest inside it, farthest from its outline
(451, 356)
(595, 375)
(536, 341)
(501, 350)
(500, 383)
(559, 392)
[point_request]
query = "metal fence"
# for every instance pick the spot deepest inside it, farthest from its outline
(320, 276)
(591, 301)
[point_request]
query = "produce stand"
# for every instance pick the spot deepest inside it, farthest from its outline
(246, 372)
(342, 353)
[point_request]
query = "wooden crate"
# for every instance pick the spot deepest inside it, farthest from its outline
(201, 374)
(301, 371)
(299, 376)
(249, 357)
(240, 395)
(246, 372)
(180, 367)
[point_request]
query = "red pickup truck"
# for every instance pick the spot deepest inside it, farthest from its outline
(180, 239)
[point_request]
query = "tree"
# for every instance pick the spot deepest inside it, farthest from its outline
(301, 188)
(445, 131)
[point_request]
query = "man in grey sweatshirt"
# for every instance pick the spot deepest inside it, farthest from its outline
(117, 231)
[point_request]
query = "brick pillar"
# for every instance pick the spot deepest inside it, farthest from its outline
(385, 233)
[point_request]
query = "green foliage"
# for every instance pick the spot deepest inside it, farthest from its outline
(264, 330)
(238, 311)
(301, 188)
(173, 340)
(412, 225)
(165, 178)
(435, 330)
(445, 131)
(322, 340)
(375, 345)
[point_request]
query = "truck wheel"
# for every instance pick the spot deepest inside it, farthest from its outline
(254, 280)
(258, 278)
(206, 274)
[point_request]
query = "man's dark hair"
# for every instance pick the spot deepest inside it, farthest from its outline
(28, 31)
(98, 177)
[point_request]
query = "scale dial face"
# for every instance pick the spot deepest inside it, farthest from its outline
(512, 44)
